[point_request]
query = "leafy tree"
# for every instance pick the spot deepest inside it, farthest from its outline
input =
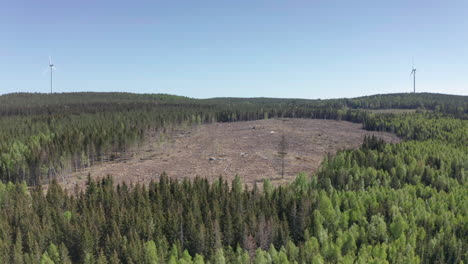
(398, 227)
(377, 230)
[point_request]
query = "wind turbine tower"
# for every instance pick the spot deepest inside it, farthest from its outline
(52, 68)
(413, 72)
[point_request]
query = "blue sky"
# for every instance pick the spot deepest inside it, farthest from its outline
(300, 49)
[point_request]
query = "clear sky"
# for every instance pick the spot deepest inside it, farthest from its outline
(243, 48)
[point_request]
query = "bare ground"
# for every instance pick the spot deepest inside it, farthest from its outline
(248, 149)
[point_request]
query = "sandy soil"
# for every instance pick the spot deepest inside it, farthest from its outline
(249, 149)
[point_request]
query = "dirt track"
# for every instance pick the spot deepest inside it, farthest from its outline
(249, 149)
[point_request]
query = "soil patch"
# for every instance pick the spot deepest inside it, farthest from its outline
(248, 149)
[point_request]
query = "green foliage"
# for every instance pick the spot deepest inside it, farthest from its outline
(151, 254)
(381, 203)
(267, 187)
(198, 259)
(398, 227)
(219, 258)
(45, 259)
(45, 136)
(53, 253)
(387, 224)
(261, 257)
(67, 215)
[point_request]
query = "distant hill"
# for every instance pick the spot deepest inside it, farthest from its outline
(379, 101)
(84, 102)
(37, 99)
(409, 101)
(397, 100)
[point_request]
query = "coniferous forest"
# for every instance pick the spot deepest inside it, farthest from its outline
(380, 203)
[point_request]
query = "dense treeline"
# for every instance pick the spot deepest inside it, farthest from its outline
(47, 145)
(76, 103)
(174, 222)
(427, 101)
(429, 163)
(437, 102)
(422, 126)
(45, 136)
(381, 203)
(450, 104)
(366, 221)
(385, 101)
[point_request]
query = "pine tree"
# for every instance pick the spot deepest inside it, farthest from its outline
(151, 255)
(114, 258)
(218, 258)
(53, 253)
(237, 186)
(45, 259)
(17, 254)
(186, 257)
(101, 258)
(282, 152)
(198, 259)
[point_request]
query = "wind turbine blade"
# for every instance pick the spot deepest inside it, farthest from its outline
(53, 67)
(45, 70)
(50, 60)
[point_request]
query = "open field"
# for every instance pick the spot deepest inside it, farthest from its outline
(249, 149)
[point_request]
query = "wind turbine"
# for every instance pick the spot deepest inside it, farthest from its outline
(413, 72)
(52, 68)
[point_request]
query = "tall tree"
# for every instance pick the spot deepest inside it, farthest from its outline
(282, 152)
